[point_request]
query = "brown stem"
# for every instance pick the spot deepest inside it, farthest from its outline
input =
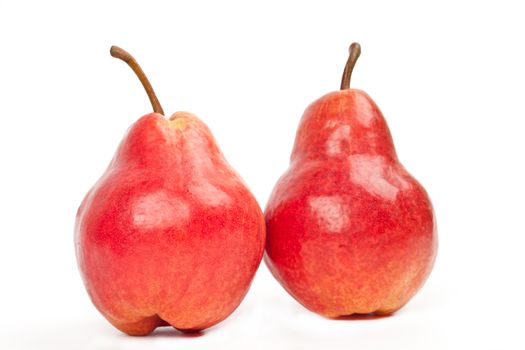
(122, 54)
(354, 52)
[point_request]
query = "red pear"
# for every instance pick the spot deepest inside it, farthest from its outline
(349, 230)
(170, 234)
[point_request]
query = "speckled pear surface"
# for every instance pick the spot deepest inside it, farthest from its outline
(170, 234)
(349, 230)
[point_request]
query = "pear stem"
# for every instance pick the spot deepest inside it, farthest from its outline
(354, 52)
(125, 56)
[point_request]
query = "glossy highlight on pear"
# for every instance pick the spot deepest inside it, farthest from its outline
(169, 235)
(349, 230)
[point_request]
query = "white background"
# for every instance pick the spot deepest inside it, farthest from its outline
(449, 78)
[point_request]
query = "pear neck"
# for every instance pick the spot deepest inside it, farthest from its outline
(341, 124)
